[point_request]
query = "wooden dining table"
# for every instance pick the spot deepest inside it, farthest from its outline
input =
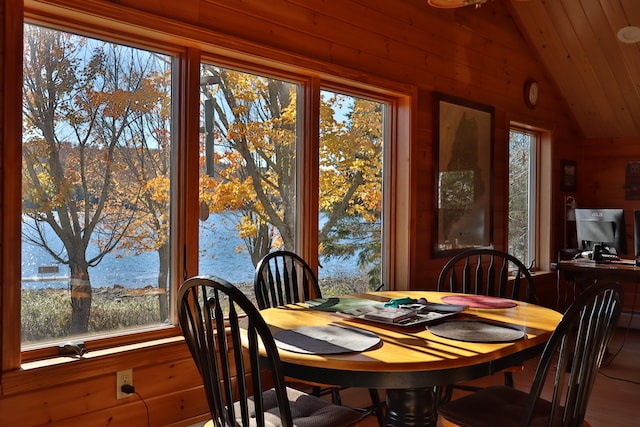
(410, 361)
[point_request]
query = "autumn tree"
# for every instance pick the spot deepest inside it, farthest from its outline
(255, 125)
(81, 98)
(351, 180)
(256, 157)
(145, 152)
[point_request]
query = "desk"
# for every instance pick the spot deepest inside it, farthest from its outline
(583, 271)
(411, 361)
(624, 269)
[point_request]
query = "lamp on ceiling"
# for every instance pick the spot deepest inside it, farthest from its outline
(629, 35)
(450, 4)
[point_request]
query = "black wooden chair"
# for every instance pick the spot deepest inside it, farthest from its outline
(569, 278)
(486, 271)
(213, 316)
(575, 351)
(283, 277)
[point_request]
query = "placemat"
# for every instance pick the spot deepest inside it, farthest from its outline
(476, 331)
(330, 339)
(351, 306)
(479, 301)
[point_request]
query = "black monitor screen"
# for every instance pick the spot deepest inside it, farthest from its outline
(601, 227)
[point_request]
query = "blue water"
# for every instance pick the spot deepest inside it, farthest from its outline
(222, 253)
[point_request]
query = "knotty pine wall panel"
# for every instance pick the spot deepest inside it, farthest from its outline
(601, 177)
(170, 387)
(601, 184)
(475, 54)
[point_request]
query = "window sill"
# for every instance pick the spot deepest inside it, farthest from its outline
(542, 273)
(46, 373)
(99, 342)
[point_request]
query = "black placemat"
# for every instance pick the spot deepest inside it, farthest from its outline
(476, 331)
(329, 339)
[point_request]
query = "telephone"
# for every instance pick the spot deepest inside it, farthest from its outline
(599, 254)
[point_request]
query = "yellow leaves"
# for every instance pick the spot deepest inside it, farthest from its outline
(158, 189)
(247, 228)
(256, 140)
(230, 195)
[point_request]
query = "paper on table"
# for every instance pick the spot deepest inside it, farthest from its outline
(359, 307)
(350, 306)
(391, 314)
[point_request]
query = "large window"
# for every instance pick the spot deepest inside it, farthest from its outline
(95, 186)
(110, 157)
(247, 171)
(249, 146)
(522, 194)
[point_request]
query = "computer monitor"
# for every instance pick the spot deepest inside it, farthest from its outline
(603, 227)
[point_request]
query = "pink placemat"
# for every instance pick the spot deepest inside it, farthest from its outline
(479, 301)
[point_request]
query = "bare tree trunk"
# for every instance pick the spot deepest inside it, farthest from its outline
(262, 244)
(163, 274)
(80, 287)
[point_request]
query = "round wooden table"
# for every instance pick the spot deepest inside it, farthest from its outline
(410, 361)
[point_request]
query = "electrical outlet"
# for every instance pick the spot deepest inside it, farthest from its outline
(122, 378)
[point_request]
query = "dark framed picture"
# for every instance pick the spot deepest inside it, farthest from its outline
(463, 174)
(632, 181)
(568, 175)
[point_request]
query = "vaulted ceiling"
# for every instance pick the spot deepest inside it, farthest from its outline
(598, 75)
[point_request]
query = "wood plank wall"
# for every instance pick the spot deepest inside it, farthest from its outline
(601, 184)
(476, 54)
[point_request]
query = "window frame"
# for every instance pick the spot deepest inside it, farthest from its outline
(541, 201)
(532, 189)
(109, 340)
(187, 50)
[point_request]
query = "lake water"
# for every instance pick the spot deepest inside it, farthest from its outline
(222, 254)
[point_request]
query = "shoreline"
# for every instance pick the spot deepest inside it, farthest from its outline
(342, 285)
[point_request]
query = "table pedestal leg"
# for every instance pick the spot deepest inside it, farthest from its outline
(411, 408)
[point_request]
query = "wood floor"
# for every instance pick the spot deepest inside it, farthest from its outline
(615, 400)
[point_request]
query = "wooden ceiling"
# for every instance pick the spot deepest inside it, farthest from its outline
(598, 75)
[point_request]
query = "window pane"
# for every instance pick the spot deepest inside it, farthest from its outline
(521, 149)
(247, 171)
(350, 218)
(96, 148)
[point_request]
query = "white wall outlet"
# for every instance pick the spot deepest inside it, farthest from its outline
(122, 378)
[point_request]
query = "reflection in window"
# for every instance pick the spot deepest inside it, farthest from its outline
(96, 174)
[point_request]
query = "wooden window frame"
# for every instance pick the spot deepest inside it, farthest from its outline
(543, 197)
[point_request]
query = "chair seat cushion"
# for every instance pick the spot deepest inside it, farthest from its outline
(306, 410)
(494, 406)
